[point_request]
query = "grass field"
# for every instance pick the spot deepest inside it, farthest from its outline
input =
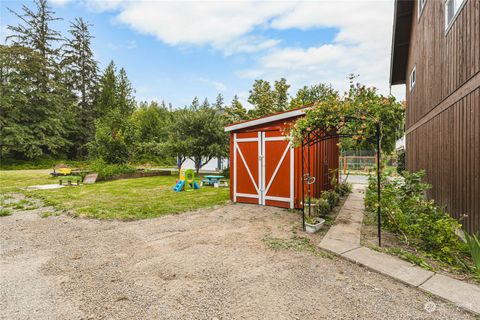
(127, 199)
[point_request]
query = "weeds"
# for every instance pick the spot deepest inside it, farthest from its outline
(5, 212)
(297, 244)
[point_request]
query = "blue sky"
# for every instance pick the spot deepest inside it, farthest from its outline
(174, 51)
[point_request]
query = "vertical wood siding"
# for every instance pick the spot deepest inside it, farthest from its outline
(448, 145)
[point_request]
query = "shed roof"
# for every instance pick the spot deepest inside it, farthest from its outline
(402, 25)
(266, 119)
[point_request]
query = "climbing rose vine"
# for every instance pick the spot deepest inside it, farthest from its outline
(354, 115)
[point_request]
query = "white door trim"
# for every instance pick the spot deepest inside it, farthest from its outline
(282, 199)
(236, 149)
(234, 167)
(263, 187)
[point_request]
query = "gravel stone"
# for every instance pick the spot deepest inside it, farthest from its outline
(207, 264)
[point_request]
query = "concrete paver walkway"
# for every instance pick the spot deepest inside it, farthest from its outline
(343, 239)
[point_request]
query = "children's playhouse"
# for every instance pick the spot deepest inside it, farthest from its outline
(267, 170)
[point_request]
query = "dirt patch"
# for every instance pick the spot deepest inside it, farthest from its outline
(200, 265)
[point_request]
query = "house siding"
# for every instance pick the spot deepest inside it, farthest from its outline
(443, 109)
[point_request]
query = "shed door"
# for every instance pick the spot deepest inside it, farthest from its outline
(263, 169)
(246, 167)
(277, 170)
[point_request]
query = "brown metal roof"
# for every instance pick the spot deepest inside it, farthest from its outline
(402, 26)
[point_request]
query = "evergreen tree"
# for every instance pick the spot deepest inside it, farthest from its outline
(82, 77)
(35, 32)
(280, 95)
(114, 105)
(195, 104)
(261, 96)
(44, 104)
(205, 104)
(235, 112)
(219, 101)
(106, 99)
(124, 93)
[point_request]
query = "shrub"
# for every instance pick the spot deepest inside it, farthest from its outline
(343, 189)
(323, 207)
(320, 207)
(420, 222)
(473, 243)
(226, 172)
(106, 171)
(332, 197)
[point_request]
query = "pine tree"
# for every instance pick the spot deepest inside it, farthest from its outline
(35, 32)
(205, 104)
(261, 96)
(280, 95)
(114, 106)
(195, 104)
(218, 105)
(45, 106)
(107, 86)
(124, 93)
(82, 77)
(235, 112)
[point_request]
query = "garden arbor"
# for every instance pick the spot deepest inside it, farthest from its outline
(320, 134)
(362, 115)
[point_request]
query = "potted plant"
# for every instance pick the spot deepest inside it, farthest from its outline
(313, 224)
(313, 221)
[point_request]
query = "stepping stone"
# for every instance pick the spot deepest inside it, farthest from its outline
(90, 178)
(45, 187)
(462, 294)
(389, 265)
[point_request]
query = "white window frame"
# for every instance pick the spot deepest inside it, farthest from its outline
(457, 7)
(421, 6)
(413, 78)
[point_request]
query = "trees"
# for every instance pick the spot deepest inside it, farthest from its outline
(114, 106)
(148, 131)
(280, 95)
(267, 100)
(207, 138)
(81, 73)
(261, 96)
(39, 109)
(310, 95)
(235, 112)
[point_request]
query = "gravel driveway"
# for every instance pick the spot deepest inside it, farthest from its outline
(209, 264)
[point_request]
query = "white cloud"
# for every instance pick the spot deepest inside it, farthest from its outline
(361, 45)
(219, 86)
(60, 2)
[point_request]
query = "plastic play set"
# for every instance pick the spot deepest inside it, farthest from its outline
(186, 181)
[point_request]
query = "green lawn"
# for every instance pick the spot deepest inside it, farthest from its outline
(127, 199)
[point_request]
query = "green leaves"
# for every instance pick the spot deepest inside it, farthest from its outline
(473, 242)
(419, 222)
(355, 115)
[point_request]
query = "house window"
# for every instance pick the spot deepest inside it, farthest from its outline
(421, 5)
(413, 78)
(452, 8)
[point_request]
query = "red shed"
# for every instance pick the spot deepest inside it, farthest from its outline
(266, 170)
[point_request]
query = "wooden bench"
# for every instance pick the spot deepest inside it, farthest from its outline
(69, 180)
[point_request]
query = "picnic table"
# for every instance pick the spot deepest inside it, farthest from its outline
(214, 181)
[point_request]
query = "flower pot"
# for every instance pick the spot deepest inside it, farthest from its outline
(312, 228)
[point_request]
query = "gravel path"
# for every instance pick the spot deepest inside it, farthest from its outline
(209, 264)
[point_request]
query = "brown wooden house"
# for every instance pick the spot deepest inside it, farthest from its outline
(436, 54)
